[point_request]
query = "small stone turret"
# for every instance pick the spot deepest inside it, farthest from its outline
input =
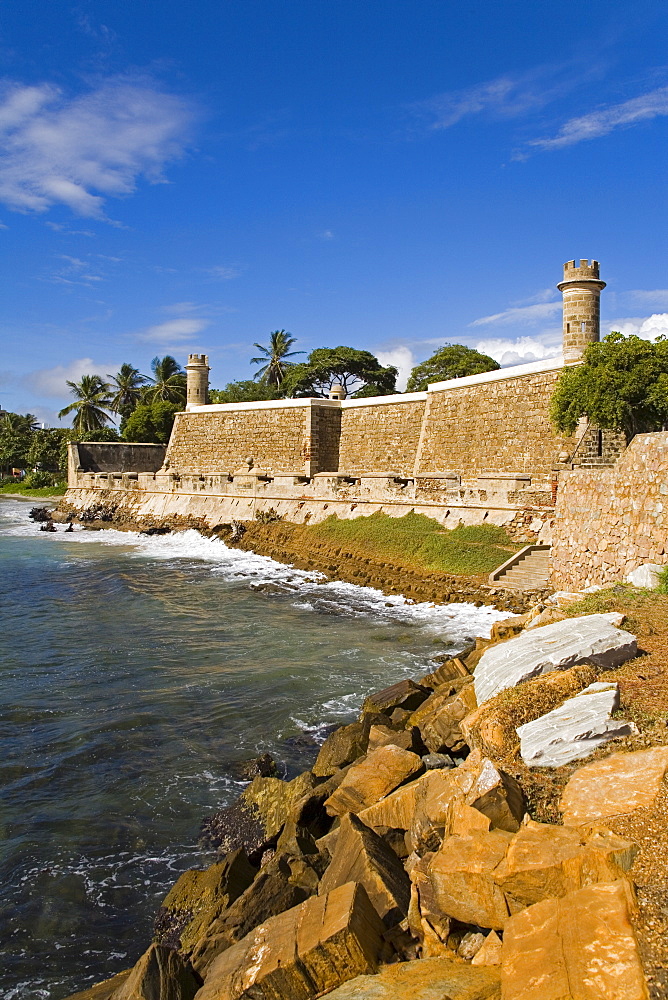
(197, 372)
(581, 289)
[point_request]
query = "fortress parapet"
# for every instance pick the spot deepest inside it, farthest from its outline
(581, 289)
(197, 373)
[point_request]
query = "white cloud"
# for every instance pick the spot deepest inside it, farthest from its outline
(51, 381)
(504, 96)
(649, 327)
(606, 120)
(522, 350)
(174, 331)
(77, 151)
(520, 314)
(402, 358)
(326, 234)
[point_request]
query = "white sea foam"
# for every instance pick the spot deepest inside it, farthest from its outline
(310, 588)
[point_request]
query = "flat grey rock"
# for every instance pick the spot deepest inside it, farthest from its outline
(589, 639)
(573, 730)
(646, 575)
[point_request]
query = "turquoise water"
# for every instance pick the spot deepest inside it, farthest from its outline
(136, 674)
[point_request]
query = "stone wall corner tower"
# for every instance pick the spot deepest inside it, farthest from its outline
(581, 289)
(197, 380)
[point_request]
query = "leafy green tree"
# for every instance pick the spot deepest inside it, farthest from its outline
(92, 400)
(359, 372)
(151, 422)
(46, 451)
(449, 361)
(16, 433)
(244, 392)
(273, 361)
(621, 385)
(126, 386)
(168, 382)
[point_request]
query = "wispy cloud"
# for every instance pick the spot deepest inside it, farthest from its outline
(326, 235)
(74, 271)
(537, 313)
(222, 272)
(605, 120)
(78, 151)
(651, 297)
(174, 331)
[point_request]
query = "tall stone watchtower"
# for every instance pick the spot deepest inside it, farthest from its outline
(197, 372)
(581, 289)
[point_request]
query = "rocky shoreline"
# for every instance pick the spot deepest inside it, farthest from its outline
(290, 543)
(430, 852)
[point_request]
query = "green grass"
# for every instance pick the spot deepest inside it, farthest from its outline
(42, 491)
(421, 541)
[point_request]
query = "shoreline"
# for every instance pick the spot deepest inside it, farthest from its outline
(270, 813)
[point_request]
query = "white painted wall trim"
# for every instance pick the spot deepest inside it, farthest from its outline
(502, 375)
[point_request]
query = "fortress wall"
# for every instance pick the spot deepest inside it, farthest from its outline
(610, 521)
(381, 433)
(116, 456)
(213, 439)
(496, 424)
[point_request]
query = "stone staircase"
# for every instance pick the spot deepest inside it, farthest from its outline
(528, 569)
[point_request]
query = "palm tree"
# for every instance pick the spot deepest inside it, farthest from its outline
(280, 342)
(92, 399)
(169, 381)
(126, 385)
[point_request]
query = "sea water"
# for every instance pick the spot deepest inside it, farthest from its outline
(137, 673)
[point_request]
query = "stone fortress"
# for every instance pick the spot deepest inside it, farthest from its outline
(473, 450)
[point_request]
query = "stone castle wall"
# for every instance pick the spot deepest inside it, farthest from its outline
(210, 441)
(493, 424)
(610, 521)
(380, 435)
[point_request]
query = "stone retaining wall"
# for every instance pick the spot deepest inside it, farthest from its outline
(608, 522)
(378, 435)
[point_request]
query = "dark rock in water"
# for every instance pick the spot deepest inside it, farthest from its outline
(198, 897)
(40, 514)
(47, 526)
(160, 972)
(160, 530)
(257, 817)
(263, 766)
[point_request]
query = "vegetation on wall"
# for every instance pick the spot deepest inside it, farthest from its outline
(244, 392)
(621, 385)
(151, 422)
(450, 361)
(274, 358)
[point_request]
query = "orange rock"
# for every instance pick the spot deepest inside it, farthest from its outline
(439, 717)
(616, 785)
(301, 953)
(580, 947)
(424, 979)
(372, 779)
(490, 953)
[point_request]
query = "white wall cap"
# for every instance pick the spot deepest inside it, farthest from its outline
(264, 404)
(517, 371)
(399, 397)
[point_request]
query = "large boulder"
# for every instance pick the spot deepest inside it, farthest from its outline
(341, 747)
(438, 718)
(198, 897)
(616, 785)
(360, 855)
(589, 639)
(425, 979)
(575, 729)
(484, 877)
(405, 694)
(646, 575)
(302, 952)
(274, 890)
(372, 779)
(492, 728)
(160, 974)
(256, 818)
(580, 946)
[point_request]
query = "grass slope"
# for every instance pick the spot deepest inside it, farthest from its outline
(42, 491)
(421, 542)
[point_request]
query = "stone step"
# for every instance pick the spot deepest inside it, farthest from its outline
(530, 572)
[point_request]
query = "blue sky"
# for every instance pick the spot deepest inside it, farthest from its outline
(387, 174)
